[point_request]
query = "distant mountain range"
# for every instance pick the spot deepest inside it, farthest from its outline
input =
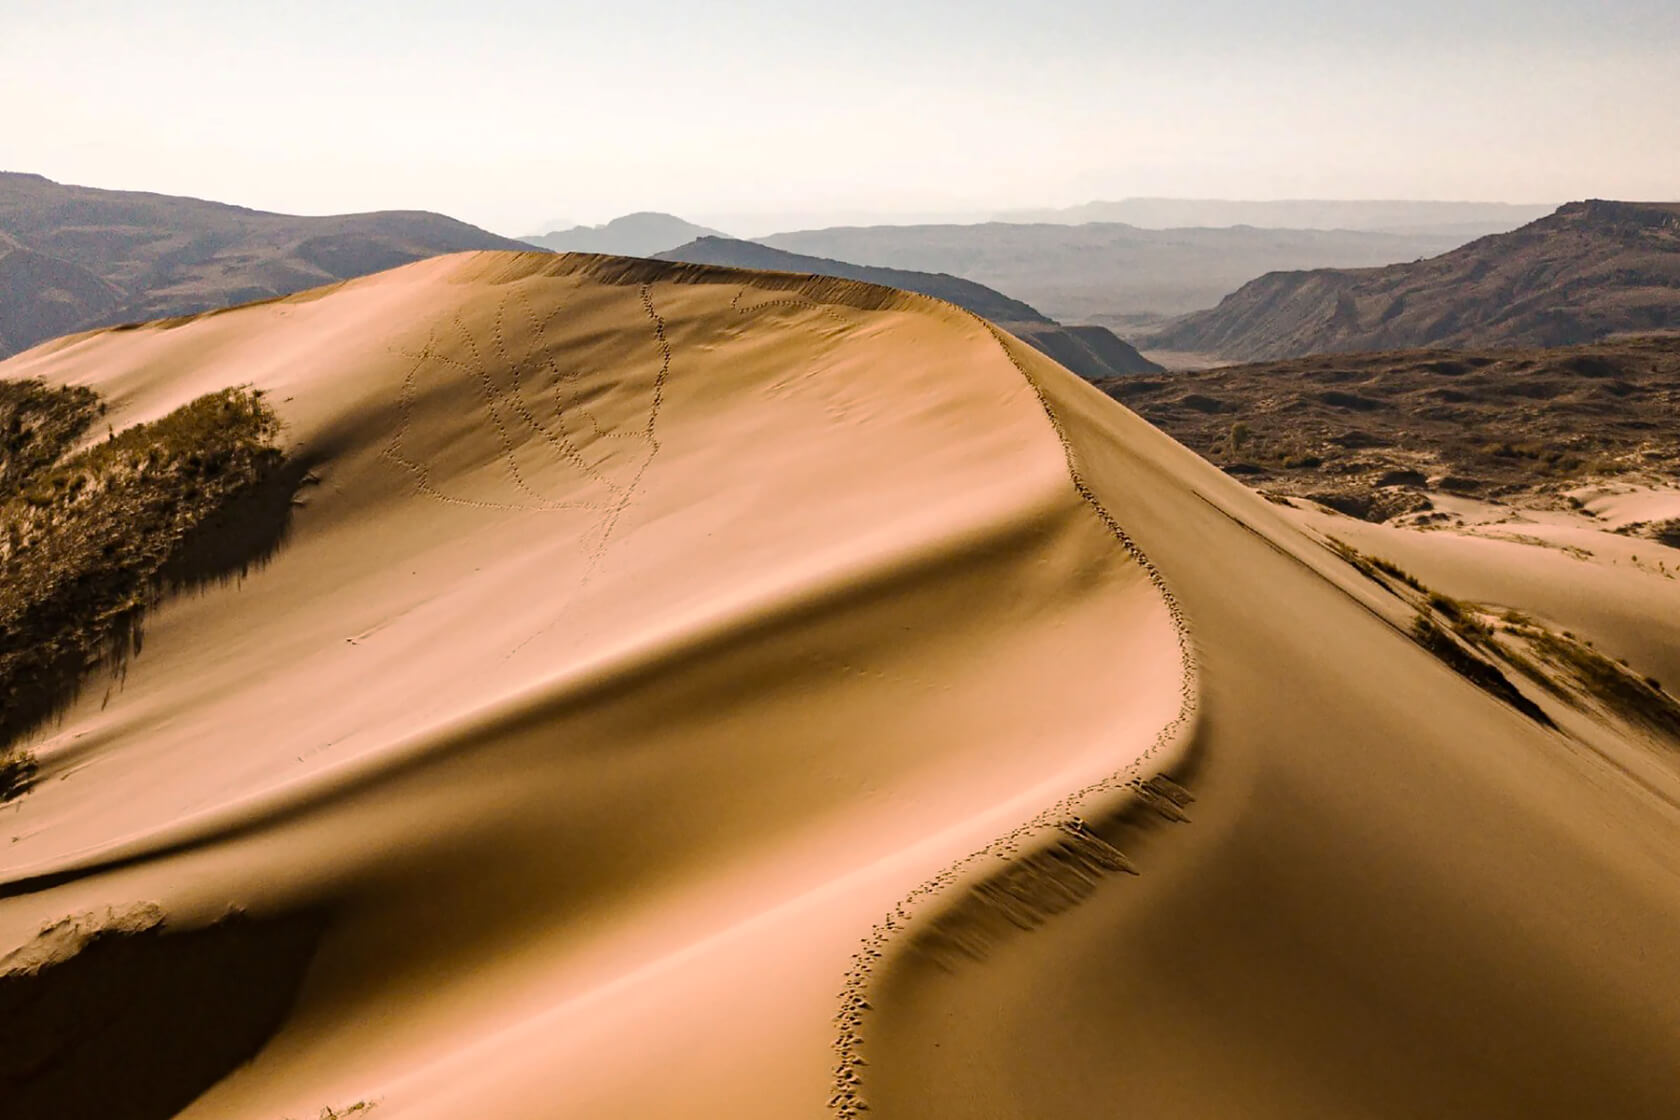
(1117, 275)
(1590, 270)
(77, 257)
(73, 258)
(1090, 351)
(633, 235)
(1469, 219)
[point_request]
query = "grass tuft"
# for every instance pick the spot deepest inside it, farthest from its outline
(1636, 698)
(1474, 668)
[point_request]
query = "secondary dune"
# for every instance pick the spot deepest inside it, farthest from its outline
(666, 664)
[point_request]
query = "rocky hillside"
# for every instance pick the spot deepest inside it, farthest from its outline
(1092, 352)
(1590, 270)
(1373, 435)
(77, 257)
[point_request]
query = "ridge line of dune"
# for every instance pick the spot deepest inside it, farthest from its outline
(499, 266)
(1053, 828)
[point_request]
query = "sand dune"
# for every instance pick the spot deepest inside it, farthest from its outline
(668, 663)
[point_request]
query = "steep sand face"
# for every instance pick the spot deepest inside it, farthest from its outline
(650, 630)
(1397, 897)
(656, 642)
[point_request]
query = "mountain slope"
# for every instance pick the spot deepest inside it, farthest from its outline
(1108, 273)
(1091, 352)
(1589, 270)
(669, 663)
(77, 257)
(41, 297)
(632, 235)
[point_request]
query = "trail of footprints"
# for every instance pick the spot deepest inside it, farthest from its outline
(506, 410)
(649, 433)
(794, 301)
(1041, 868)
(405, 415)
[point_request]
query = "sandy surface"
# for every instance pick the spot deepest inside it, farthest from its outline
(1395, 898)
(639, 646)
(654, 633)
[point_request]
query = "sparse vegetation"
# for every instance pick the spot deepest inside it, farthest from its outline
(1373, 435)
(1663, 532)
(17, 774)
(1637, 698)
(88, 542)
(1374, 568)
(1469, 638)
(38, 424)
(1474, 668)
(1390, 568)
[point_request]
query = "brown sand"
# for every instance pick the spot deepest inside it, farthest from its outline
(653, 631)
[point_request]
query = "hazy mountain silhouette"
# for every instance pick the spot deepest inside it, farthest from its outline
(1469, 219)
(1110, 273)
(1090, 351)
(78, 257)
(634, 235)
(1589, 270)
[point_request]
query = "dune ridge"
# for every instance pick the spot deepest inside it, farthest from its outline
(1063, 849)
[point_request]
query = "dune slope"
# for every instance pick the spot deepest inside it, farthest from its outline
(647, 631)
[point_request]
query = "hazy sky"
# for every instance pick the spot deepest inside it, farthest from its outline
(507, 113)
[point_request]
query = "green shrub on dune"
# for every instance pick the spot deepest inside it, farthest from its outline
(89, 541)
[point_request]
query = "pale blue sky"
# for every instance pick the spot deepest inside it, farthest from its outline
(509, 112)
